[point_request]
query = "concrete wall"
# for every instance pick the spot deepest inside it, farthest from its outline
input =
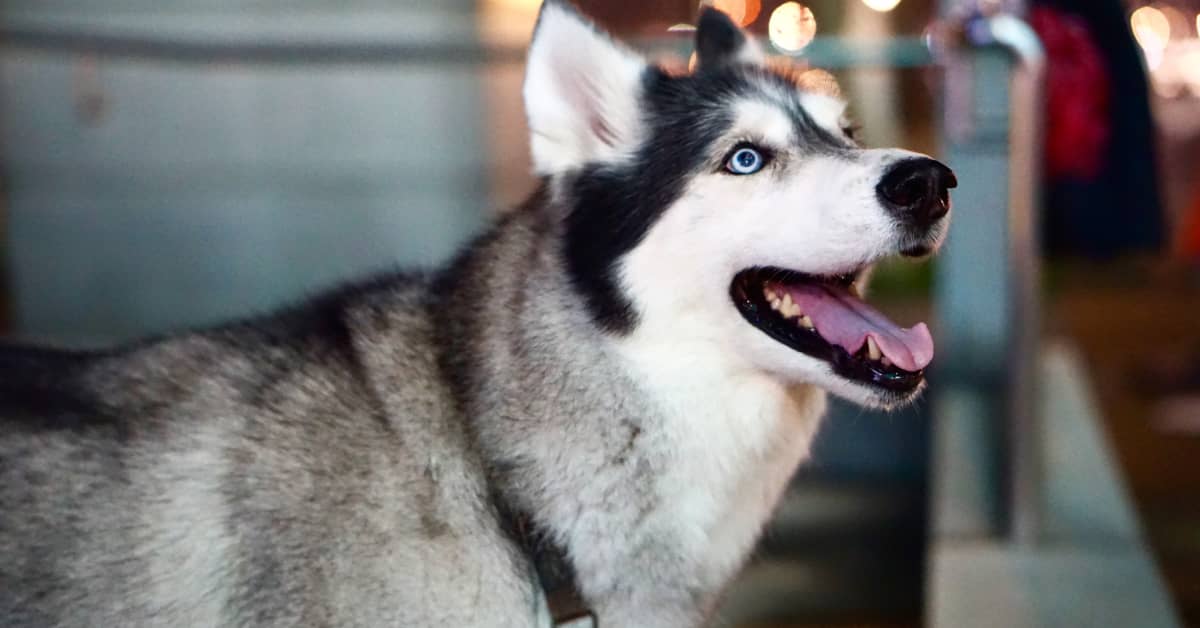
(145, 194)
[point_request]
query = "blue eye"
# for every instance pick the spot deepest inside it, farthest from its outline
(745, 161)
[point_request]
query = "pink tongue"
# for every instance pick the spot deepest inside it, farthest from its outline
(846, 321)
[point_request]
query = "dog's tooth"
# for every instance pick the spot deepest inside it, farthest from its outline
(873, 351)
(789, 308)
(806, 322)
(853, 288)
(769, 293)
(775, 303)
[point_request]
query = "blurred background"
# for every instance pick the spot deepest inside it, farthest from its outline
(172, 163)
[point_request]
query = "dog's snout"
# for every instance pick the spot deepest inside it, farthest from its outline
(917, 190)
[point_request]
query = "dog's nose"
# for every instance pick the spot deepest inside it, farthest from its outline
(917, 190)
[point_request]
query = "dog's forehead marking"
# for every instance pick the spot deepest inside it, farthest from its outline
(824, 109)
(816, 90)
(764, 121)
(784, 113)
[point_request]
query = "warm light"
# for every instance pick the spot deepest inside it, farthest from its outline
(1198, 23)
(819, 81)
(507, 22)
(1189, 68)
(743, 12)
(517, 5)
(1168, 91)
(792, 26)
(1177, 23)
(1150, 27)
(735, 9)
(753, 8)
(1152, 31)
(883, 6)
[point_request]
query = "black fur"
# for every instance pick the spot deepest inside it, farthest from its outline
(49, 389)
(718, 40)
(614, 206)
(41, 388)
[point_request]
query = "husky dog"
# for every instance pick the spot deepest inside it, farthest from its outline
(622, 374)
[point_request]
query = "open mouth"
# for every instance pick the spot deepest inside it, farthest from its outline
(823, 317)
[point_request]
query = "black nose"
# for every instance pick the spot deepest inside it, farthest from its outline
(917, 191)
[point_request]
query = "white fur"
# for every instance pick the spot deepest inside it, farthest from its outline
(751, 52)
(736, 437)
(761, 121)
(825, 110)
(581, 94)
(817, 215)
(742, 409)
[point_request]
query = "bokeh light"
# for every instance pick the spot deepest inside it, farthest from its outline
(517, 5)
(1177, 22)
(735, 9)
(883, 6)
(792, 26)
(1189, 68)
(1150, 26)
(753, 8)
(1152, 31)
(743, 12)
(820, 81)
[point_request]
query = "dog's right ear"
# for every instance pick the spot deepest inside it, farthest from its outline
(581, 92)
(721, 43)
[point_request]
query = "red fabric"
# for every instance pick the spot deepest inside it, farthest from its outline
(1190, 238)
(1077, 96)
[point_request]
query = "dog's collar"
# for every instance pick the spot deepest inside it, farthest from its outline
(553, 571)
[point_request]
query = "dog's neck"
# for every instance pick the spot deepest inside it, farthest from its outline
(654, 466)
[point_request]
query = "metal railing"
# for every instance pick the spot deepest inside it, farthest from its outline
(1003, 364)
(143, 46)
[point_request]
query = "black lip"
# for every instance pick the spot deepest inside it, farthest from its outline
(920, 250)
(746, 291)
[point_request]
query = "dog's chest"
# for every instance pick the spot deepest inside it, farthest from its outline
(739, 451)
(729, 443)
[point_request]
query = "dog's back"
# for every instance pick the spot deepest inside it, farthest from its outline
(248, 475)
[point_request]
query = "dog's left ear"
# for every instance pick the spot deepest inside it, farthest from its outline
(582, 91)
(720, 42)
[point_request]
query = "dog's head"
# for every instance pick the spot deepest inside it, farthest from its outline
(729, 205)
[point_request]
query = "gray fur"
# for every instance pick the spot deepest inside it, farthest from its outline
(260, 475)
(336, 464)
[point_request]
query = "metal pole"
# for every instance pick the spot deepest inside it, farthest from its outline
(1025, 141)
(992, 311)
(281, 52)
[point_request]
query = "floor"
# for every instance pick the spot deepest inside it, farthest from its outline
(1139, 328)
(838, 554)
